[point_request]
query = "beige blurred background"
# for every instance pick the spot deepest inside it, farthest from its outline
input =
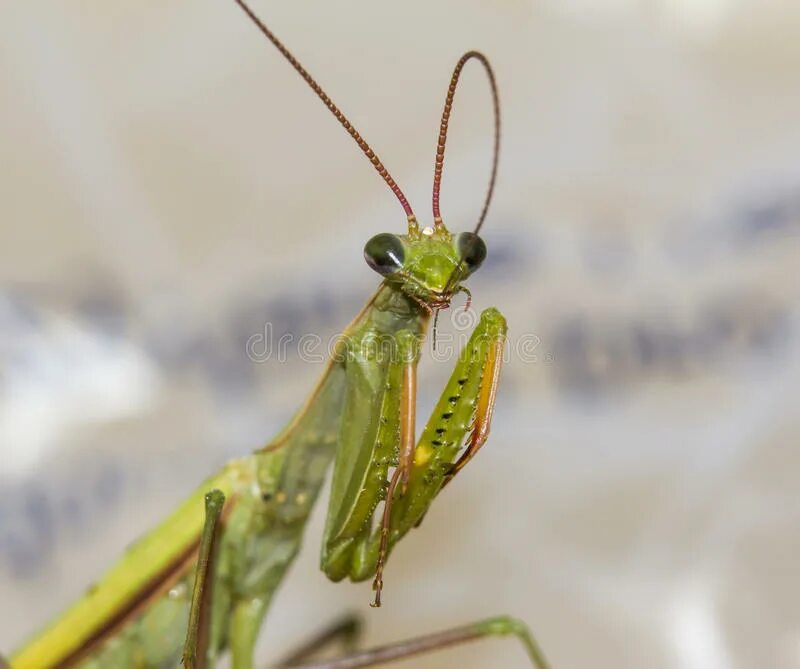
(170, 188)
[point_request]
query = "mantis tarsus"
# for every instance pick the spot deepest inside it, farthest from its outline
(211, 568)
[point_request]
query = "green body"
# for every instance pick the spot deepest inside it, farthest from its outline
(137, 615)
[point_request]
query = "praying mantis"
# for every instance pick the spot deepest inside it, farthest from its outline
(200, 584)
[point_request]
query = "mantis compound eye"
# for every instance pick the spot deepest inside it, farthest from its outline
(471, 249)
(385, 253)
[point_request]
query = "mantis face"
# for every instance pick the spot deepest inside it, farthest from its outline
(428, 266)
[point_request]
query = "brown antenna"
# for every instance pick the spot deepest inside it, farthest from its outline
(373, 158)
(448, 106)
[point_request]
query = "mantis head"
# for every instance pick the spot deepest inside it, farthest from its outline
(428, 265)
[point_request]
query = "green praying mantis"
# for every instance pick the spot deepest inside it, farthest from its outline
(200, 584)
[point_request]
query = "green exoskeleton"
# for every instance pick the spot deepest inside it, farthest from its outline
(200, 584)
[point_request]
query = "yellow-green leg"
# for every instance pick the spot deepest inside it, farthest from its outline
(195, 650)
(498, 626)
(246, 614)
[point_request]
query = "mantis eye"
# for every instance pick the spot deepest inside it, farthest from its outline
(385, 253)
(471, 249)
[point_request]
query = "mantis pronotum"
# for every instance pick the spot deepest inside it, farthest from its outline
(201, 582)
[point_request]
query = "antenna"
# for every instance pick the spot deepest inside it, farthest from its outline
(362, 144)
(448, 106)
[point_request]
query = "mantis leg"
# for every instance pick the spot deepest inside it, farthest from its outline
(408, 404)
(246, 614)
(498, 626)
(195, 650)
(462, 415)
(485, 407)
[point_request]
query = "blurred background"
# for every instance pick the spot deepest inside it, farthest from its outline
(169, 189)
